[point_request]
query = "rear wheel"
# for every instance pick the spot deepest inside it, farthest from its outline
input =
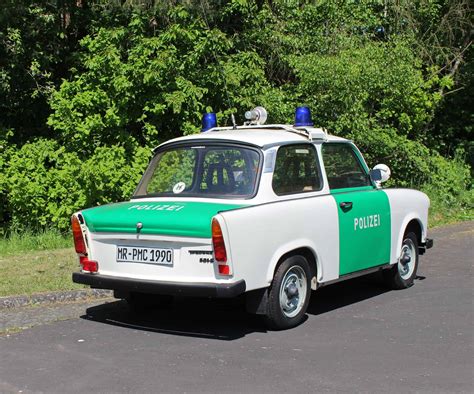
(402, 274)
(288, 296)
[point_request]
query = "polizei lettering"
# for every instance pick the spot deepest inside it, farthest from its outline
(156, 207)
(366, 222)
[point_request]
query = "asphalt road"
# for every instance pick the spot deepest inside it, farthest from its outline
(358, 337)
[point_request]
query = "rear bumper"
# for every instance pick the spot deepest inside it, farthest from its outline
(214, 290)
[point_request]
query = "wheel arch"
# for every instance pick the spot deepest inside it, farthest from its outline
(412, 223)
(305, 251)
(414, 226)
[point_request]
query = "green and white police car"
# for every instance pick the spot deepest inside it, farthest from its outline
(272, 211)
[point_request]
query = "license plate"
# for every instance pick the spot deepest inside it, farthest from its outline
(133, 254)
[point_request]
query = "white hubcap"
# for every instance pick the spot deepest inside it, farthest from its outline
(293, 291)
(406, 262)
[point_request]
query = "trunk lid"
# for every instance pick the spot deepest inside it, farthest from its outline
(175, 218)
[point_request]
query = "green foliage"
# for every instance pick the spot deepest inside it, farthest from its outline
(37, 40)
(45, 184)
(136, 89)
(88, 88)
(5, 149)
(453, 126)
(381, 82)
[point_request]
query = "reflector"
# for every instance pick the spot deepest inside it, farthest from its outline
(88, 265)
(224, 270)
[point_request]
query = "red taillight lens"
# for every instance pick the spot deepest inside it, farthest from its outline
(79, 242)
(218, 242)
(88, 265)
(224, 270)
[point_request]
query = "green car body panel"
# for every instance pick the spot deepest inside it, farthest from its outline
(364, 229)
(175, 218)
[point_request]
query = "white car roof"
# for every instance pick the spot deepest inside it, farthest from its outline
(261, 136)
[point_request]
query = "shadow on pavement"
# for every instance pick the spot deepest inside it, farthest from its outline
(223, 319)
(194, 317)
(342, 294)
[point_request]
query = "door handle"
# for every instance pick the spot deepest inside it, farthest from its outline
(346, 205)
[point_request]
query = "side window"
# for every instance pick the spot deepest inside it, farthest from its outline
(343, 168)
(296, 170)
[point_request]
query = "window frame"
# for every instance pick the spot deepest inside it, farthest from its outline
(317, 163)
(360, 160)
(208, 144)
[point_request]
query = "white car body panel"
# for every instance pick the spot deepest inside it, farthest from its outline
(186, 267)
(406, 205)
(259, 236)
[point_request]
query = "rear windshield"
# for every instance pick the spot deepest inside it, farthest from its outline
(202, 171)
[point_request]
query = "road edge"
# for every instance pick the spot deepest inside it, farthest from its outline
(54, 297)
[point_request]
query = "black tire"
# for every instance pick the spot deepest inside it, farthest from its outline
(139, 302)
(276, 317)
(403, 274)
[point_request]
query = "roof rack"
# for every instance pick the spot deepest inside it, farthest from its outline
(310, 133)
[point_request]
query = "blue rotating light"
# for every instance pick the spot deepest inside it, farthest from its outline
(209, 121)
(303, 117)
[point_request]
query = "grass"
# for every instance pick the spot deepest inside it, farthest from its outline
(446, 210)
(38, 272)
(30, 241)
(38, 263)
(449, 216)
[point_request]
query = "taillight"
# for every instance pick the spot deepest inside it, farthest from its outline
(88, 265)
(220, 254)
(79, 241)
(80, 245)
(218, 242)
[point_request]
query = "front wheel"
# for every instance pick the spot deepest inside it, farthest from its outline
(288, 296)
(402, 274)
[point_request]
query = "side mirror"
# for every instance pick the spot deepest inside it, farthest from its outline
(380, 173)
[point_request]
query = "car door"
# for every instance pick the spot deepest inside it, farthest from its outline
(363, 210)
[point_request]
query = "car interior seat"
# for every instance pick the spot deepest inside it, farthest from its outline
(220, 178)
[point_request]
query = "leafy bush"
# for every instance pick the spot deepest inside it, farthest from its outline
(45, 184)
(136, 89)
(6, 150)
(139, 74)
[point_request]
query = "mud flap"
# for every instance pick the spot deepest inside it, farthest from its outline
(256, 301)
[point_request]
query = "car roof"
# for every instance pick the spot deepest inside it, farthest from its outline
(261, 136)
